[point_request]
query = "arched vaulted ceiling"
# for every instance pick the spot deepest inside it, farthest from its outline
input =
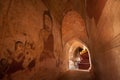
(73, 26)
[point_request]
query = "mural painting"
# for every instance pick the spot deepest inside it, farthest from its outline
(20, 59)
(48, 50)
(23, 57)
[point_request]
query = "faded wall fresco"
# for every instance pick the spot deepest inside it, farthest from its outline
(27, 41)
(48, 51)
(20, 59)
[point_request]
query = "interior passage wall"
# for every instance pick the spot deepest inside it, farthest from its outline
(30, 41)
(103, 25)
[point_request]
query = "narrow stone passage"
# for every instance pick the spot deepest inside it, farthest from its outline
(59, 39)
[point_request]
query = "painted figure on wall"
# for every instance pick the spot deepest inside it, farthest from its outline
(4, 66)
(19, 51)
(48, 50)
(13, 62)
(29, 61)
(20, 59)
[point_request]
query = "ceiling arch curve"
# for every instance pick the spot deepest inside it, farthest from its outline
(73, 26)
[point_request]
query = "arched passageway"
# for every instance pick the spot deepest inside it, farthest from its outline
(74, 39)
(78, 55)
(75, 42)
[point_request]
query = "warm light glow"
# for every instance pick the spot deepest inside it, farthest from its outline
(79, 56)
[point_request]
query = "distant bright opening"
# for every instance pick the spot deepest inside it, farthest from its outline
(79, 57)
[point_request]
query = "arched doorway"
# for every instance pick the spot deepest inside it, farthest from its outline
(73, 35)
(78, 55)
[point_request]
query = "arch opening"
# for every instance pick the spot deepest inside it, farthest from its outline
(78, 56)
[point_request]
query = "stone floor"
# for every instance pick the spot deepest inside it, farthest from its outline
(76, 75)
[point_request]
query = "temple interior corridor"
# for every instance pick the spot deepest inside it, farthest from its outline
(59, 39)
